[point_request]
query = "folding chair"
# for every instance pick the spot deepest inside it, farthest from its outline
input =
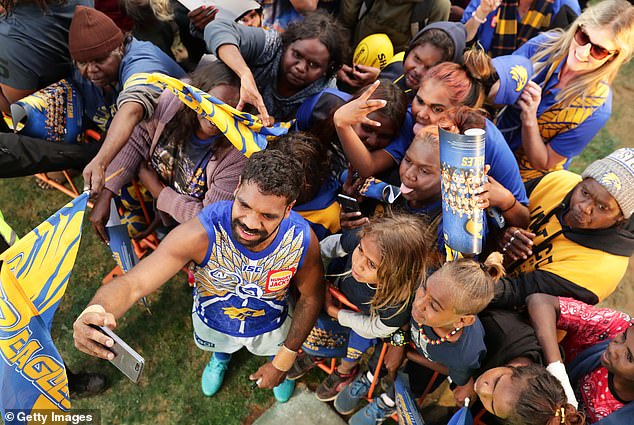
(336, 294)
(72, 192)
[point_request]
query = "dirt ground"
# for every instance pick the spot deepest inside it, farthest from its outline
(621, 125)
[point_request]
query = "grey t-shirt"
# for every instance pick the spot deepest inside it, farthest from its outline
(34, 45)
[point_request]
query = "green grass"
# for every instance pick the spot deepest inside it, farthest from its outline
(169, 391)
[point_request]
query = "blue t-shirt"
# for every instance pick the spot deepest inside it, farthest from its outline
(240, 292)
(140, 58)
(462, 357)
(568, 143)
(487, 29)
(497, 154)
(319, 107)
(34, 44)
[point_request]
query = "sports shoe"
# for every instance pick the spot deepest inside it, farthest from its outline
(333, 384)
(304, 363)
(284, 391)
(213, 375)
(349, 398)
(372, 414)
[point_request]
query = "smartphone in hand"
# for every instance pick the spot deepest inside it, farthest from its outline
(128, 361)
(348, 204)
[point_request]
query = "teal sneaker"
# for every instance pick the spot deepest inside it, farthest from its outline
(213, 375)
(284, 391)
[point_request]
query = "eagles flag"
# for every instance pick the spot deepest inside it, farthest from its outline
(245, 131)
(406, 407)
(34, 273)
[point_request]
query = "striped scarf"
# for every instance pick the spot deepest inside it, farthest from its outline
(509, 35)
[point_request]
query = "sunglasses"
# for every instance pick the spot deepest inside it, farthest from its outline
(596, 51)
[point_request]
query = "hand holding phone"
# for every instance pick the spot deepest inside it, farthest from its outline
(348, 204)
(128, 361)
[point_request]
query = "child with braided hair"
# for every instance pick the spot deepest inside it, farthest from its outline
(526, 395)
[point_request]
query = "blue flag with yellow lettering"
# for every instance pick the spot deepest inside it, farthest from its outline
(245, 131)
(33, 277)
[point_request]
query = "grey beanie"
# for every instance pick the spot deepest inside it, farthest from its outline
(455, 30)
(615, 173)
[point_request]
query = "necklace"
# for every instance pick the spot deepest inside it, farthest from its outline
(427, 340)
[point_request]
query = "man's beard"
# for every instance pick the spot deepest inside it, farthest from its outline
(235, 224)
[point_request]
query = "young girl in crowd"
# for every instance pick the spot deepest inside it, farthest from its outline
(570, 98)
(316, 115)
(389, 258)
(181, 158)
(526, 395)
(445, 330)
(437, 42)
(278, 72)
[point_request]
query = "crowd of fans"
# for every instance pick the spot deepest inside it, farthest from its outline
(267, 235)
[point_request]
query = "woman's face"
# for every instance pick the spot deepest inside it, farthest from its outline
(366, 259)
(588, 43)
(498, 391)
(103, 71)
(430, 104)
(373, 137)
(229, 95)
(419, 60)
(420, 174)
(303, 62)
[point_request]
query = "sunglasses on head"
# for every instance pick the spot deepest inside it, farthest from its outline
(596, 51)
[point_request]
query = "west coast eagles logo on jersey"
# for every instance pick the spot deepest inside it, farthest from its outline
(231, 288)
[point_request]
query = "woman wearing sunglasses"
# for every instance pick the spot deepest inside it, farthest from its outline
(569, 99)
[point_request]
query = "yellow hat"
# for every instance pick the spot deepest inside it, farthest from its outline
(375, 50)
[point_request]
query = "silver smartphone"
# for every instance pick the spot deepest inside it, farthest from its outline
(128, 361)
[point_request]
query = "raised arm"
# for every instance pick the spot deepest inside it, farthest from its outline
(368, 163)
(123, 123)
(231, 42)
(541, 155)
(186, 242)
(544, 312)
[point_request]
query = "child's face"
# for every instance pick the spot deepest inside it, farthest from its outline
(618, 357)
(418, 61)
(366, 260)
(433, 305)
(498, 391)
(373, 137)
(420, 173)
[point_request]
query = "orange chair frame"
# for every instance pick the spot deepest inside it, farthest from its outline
(337, 295)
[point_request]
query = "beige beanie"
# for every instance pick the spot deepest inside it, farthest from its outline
(615, 173)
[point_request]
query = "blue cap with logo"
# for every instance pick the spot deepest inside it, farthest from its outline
(514, 73)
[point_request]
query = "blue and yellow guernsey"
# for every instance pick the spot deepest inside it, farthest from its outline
(243, 293)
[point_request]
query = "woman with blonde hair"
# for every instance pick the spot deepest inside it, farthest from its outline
(570, 98)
